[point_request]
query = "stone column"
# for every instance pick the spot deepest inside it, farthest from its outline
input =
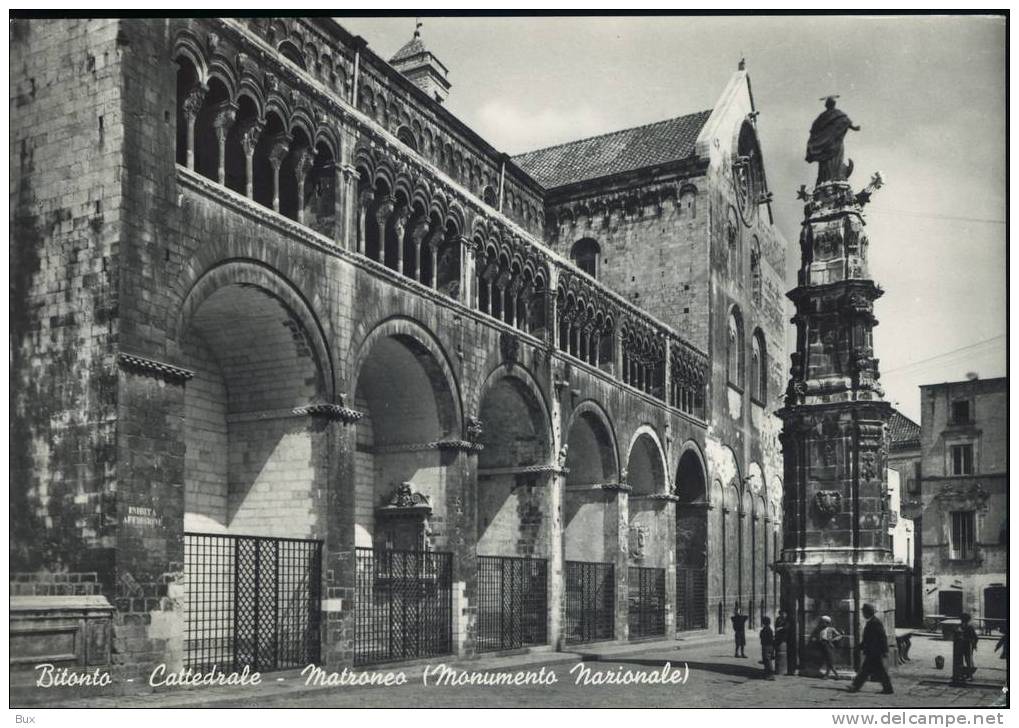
(432, 247)
(556, 556)
(460, 459)
(400, 218)
(343, 229)
(304, 160)
(278, 150)
(250, 133)
(364, 201)
(417, 236)
(386, 207)
(618, 524)
(339, 575)
(668, 513)
(467, 293)
(192, 105)
(551, 309)
(225, 113)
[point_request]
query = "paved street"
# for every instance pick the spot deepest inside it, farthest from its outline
(716, 679)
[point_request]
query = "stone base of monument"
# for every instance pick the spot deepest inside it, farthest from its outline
(838, 591)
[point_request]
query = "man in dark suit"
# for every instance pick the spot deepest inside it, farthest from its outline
(874, 646)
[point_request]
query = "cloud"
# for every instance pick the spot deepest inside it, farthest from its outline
(517, 130)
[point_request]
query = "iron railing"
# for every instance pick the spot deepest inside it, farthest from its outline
(252, 600)
(403, 605)
(512, 602)
(590, 601)
(647, 601)
(691, 599)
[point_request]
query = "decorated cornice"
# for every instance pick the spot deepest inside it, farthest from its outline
(628, 202)
(459, 445)
(616, 487)
(152, 367)
(656, 497)
(524, 470)
(329, 411)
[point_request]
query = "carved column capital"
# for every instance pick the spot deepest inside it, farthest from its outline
(278, 150)
(223, 118)
(194, 100)
(250, 131)
(304, 160)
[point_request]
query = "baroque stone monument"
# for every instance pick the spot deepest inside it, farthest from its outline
(836, 552)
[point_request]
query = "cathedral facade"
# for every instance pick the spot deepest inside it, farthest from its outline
(305, 370)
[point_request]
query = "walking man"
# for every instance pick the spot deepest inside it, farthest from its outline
(874, 646)
(739, 627)
(767, 635)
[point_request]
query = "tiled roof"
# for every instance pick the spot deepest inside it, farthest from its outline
(411, 48)
(902, 430)
(618, 151)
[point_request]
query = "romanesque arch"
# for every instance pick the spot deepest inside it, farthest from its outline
(691, 539)
(403, 384)
(247, 273)
(719, 584)
(728, 471)
(590, 497)
(645, 474)
(514, 465)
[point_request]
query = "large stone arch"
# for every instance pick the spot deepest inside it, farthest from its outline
(402, 382)
(514, 466)
(646, 445)
(259, 360)
(590, 520)
(598, 421)
(692, 546)
(427, 349)
(244, 272)
(651, 538)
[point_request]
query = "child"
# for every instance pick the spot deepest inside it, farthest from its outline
(827, 638)
(767, 635)
(969, 639)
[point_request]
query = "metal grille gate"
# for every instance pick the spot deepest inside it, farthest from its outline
(252, 601)
(403, 605)
(691, 604)
(590, 601)
(512, 602)
(647, 601)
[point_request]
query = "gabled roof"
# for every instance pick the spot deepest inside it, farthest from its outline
(411, 48)
(619, 151)
(902, 431)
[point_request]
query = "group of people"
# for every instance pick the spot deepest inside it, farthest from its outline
(824, 639)
(965, 642)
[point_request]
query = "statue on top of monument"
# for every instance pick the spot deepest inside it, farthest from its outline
(825, 143)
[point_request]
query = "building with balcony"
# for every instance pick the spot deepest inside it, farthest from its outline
(305, 370)
(964, 495)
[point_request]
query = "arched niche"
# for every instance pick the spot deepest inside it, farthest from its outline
(404, 387)
(513, 466)
(591, 533)
(254, 364)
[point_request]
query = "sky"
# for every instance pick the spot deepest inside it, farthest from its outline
(928, 92)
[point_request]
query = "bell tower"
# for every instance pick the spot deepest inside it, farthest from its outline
(421, 66)
(836, 552)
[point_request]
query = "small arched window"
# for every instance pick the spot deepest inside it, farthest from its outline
(489, 196)
(586, 255)
(290, 51)
(406, 136)
(734, 350)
